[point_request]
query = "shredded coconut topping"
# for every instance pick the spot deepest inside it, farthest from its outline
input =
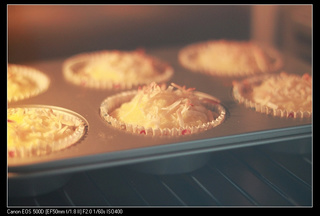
(37, 127)
(120, 66)
(230, 58)
(289, 92)
(233, 57)
(158, 106)
(18, 84)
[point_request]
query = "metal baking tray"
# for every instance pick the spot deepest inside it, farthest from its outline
(104, 146)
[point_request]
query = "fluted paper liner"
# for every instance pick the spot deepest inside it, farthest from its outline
(115, 101)
(42, 81)
(73, 64)
(188, 53)
(43, 147)
(239, 93)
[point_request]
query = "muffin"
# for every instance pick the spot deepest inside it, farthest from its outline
(115, 69)
(285, 95)
(230, 58)
(24, 82)
(159, 110)
(39, 130)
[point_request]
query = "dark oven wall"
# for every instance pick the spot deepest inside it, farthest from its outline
(39, 32)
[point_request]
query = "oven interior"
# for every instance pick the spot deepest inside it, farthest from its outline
(265, 161)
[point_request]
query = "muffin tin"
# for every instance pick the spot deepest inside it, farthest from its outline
(105, 146)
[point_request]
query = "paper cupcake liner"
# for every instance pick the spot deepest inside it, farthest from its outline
(188, 53)
(238, 93)
(115, 101)
(43, 147)
(42, 81)
(77, 62)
